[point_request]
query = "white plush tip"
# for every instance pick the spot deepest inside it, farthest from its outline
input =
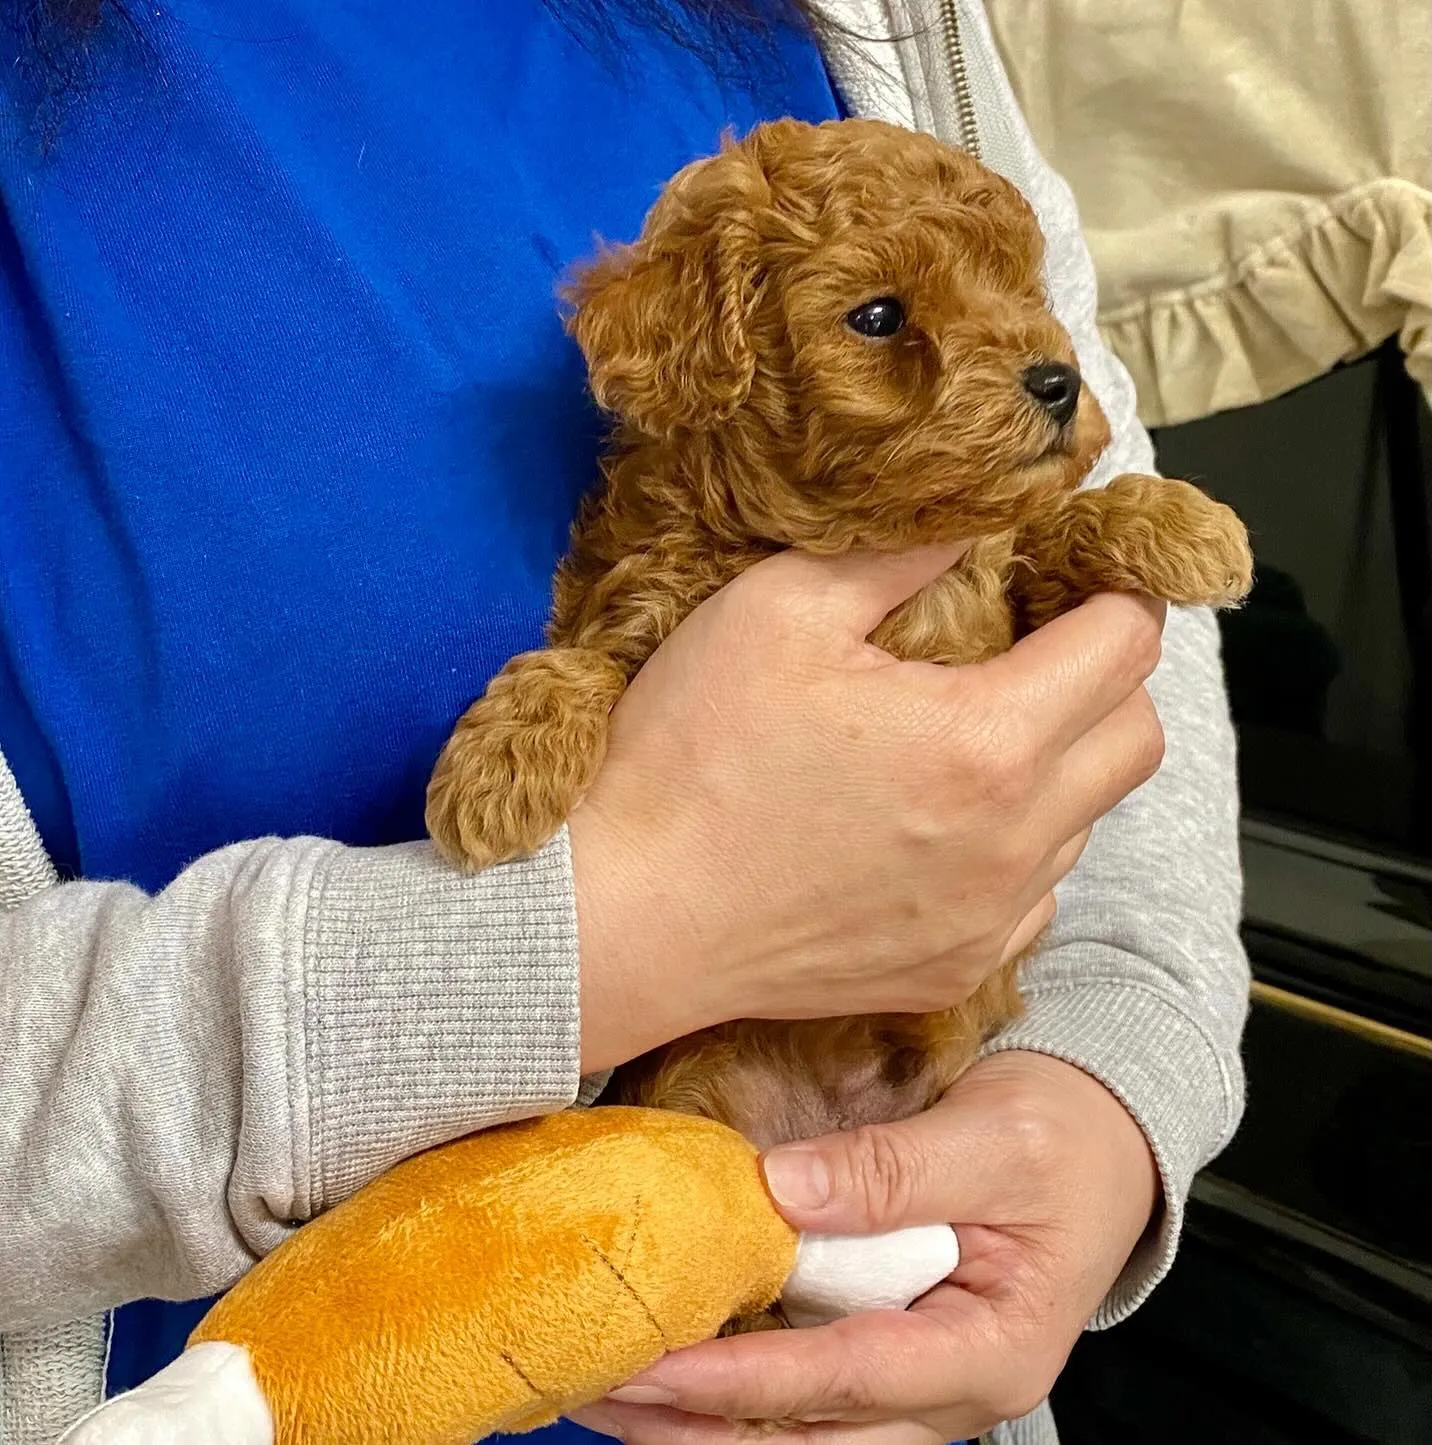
(208, 1396)
(839, 1275)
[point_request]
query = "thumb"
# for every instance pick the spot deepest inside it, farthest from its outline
(863, 588)
(952, 1164)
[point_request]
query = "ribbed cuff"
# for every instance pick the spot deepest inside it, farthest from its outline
(435, 1003)
(1158, 1062)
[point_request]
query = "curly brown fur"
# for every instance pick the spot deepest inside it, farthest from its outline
(750, 417)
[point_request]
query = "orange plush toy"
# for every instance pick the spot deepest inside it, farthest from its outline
(491, 1284)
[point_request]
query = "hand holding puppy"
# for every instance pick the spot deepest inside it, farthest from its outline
(1051, 1184)
(789, 823)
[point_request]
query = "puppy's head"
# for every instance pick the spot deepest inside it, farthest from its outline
(852, 318)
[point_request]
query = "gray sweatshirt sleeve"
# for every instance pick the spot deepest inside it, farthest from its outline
(1144, 981)
(184, 1075)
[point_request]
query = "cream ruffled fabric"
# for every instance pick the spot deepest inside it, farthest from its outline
(1255, 180)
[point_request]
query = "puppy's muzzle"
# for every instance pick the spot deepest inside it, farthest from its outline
(1056, 388)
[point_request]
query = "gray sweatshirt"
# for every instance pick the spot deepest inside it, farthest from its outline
(184, 1077)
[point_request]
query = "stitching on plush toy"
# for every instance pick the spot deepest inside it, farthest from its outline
(601, 1329)
(618, 1272)
(593, 1246)
(519, 1372)
(622, 1280)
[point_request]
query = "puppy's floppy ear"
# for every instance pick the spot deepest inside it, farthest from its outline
(665, 323)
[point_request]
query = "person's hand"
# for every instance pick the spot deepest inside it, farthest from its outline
(1050, 1184)
(791, 824)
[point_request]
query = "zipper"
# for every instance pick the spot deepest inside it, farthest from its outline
(959, 75)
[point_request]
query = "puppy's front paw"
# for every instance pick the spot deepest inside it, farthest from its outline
(1179, 544)
(482, 809)
(1218, 565)
(522, 756)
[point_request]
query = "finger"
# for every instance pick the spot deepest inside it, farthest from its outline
(652, 1425)
(1044, 880)
(862, 588)
(1030, 927)
(958, 1162)
(1113, 758)
(1070, 675)
(865, 1369)
(1068, 854)
(1062, 862)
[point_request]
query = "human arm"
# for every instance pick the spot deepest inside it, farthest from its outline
(186, 1074)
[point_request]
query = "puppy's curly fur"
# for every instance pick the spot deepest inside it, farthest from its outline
(750, 416)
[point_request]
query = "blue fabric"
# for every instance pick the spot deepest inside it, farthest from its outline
(290, 436)
(564, 1432)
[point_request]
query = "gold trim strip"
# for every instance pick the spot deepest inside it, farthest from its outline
(1325, 1013)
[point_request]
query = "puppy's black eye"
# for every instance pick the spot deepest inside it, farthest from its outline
(882, 317)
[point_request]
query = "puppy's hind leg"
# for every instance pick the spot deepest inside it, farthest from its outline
(523, 755)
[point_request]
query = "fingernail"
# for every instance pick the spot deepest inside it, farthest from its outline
(593, 1417)
(642, 1395)
(797, 1178)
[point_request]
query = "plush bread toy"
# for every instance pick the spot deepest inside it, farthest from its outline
(491, 1284)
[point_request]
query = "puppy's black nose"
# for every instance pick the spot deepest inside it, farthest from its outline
(1055, 387)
